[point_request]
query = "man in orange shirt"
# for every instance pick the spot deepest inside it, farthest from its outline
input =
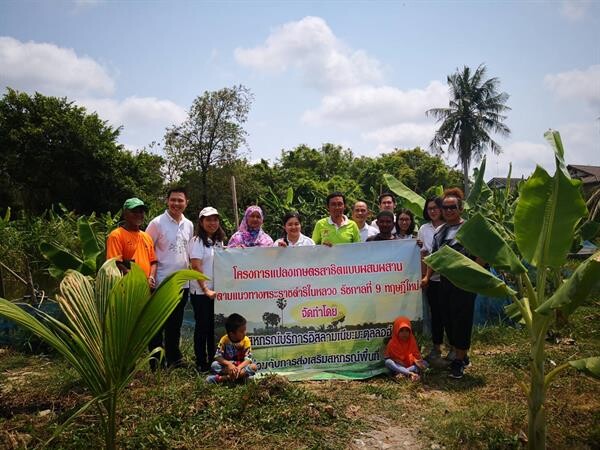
(129, 244)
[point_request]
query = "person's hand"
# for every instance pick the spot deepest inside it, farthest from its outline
(151, 282)
(424, 282)
(420, 364)
(235, 372)
(281, 243)
(420, 243)
(327, 244)
(414, 376)
(210, 293)
(229, 367)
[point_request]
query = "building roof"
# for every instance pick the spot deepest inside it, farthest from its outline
(500, 182)
(587, 174)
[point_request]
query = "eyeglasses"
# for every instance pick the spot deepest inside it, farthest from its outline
(449, 207)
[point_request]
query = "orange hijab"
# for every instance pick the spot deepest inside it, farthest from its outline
(404, 352)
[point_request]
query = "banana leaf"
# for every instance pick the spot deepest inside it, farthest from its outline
(576, 289)
(589, 366)
(548, 210)
(481, 238)
(467, 274)
(413, 201)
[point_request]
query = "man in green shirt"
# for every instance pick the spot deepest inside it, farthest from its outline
(337, 228)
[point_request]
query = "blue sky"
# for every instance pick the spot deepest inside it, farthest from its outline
(359, 74)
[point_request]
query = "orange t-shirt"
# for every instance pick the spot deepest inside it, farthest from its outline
(136, 246)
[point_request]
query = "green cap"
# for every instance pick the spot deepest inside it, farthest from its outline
(134, 202)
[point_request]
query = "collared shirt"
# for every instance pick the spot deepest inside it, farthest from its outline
(171, 240)
(367, 231)
(301, 242)
(328, 231)
(206, 254)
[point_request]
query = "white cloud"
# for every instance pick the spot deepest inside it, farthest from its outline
(381, 106)
(144, 119)
(354, 95)
(310, 46)
(577, 84)
(524, 156)
(581, 142)
(404, 135)
(575, 10)
(51, 70)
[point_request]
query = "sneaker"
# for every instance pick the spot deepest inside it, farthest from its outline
(466, 361)
(457, 369)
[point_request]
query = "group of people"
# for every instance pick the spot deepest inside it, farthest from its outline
(171, 243)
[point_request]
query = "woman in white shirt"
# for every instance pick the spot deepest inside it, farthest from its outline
(209, 235)
(432, 212)
(292, 232)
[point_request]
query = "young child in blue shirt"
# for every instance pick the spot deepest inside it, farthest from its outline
(233, 358)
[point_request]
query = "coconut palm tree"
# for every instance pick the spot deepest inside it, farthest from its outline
(474, 112)
(107, 325)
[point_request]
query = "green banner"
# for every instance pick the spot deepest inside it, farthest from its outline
(320, 312)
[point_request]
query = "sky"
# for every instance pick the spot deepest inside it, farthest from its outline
(360, 74)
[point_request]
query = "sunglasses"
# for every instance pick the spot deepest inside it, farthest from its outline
(449, 207)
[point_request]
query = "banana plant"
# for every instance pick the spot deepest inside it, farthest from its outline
(547, 214)
(480, 193)
(108, 324)
(62, 259)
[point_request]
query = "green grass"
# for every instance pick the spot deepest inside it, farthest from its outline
(177, 409)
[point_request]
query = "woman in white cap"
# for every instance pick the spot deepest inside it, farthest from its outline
(209, 235)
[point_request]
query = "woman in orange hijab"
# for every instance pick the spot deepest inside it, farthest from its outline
(402, 356)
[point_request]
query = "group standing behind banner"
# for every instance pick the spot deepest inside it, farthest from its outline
(171, 236)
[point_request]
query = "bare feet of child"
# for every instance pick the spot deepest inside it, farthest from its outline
(414, 377)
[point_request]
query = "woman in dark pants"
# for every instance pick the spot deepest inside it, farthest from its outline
(432, 213)
(202, 249)
(458, 305)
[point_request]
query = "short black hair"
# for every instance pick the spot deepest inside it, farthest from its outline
(385, 213)
(438, 203)
(335, 194)
(386, 194)
(234, 322)
(177, 189)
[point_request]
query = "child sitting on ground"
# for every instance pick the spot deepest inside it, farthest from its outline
(233, 358)
(402, 356)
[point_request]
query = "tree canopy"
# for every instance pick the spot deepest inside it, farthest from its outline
(54, 151)
(211, 135)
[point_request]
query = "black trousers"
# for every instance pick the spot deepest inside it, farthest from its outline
(458, 309)
(204, 330)
(170, 334)
(437, 312)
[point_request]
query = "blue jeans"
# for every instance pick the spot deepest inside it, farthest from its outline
(396, 368)
(247, 371)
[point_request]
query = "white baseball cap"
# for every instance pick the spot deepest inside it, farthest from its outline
(208, 211)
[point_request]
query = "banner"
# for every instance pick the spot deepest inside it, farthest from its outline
(319, 312)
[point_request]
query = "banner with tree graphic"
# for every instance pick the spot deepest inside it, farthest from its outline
(319, 312)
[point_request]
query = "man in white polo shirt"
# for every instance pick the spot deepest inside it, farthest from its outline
(171, 232)
(360, 211)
